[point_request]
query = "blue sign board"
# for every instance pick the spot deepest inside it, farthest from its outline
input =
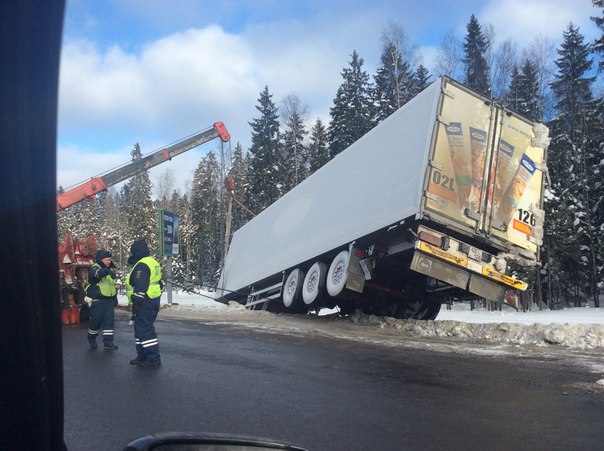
(169, 236)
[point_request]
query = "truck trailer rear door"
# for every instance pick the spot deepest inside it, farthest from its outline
(485, 175)
(513, 212)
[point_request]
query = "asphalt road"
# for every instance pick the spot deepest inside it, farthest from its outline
(323, 393)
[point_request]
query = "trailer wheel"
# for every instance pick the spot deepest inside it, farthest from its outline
(388, 308)
(431, 311)
(338, 273)
(292, 288)
(313, 283)
(424, 309)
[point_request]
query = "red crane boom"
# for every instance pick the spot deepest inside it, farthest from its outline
(95, 185)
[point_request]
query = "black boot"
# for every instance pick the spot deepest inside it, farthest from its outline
(150, 363)
(92, 342)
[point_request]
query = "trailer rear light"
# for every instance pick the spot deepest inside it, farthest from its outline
(442, 242)
(361, 253)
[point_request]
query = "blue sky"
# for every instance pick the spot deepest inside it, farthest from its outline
(156, 71)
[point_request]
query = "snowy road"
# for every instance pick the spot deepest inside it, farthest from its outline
(328, 384)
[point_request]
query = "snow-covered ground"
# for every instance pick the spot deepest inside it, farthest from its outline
(574, 328)
(584, 315)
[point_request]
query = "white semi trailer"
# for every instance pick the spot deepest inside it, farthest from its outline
(442, 201)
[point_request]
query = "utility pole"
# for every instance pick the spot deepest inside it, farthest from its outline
(229, 183)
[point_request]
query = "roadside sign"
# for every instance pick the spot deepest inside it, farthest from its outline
(168, 231)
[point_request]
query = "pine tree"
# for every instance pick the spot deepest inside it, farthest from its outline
(207, 221)
(599, 21)
(421, 80)
(137, 207)
(186, 230)
(476, 68)
(533, 100)
(75, 219)
(295, 155)
(572, 87)
(513, 98)
(596, 158)
(523, 94)
(351, 114)
(81, 219)
(318, 150)
(265, 168)
(239, 172)
(571, 243)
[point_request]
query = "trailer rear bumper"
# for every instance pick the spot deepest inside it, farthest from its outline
(462, 273)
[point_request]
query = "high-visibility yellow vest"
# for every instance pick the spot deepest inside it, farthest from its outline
(154, 290)
(106, 284)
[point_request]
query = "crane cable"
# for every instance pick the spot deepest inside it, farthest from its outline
(241, 205)
(193, 291)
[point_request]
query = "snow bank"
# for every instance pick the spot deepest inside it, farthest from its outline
(582, 336)
(577, 328)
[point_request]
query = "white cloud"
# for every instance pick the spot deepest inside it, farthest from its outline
(162, 90)
(186, 81)
(173, 83)
(78, 165)
(523, 20)
(429, 57)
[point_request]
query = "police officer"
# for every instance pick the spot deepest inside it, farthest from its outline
(101, 293)
(143, 288)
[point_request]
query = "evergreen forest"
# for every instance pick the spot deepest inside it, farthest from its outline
(560, 87)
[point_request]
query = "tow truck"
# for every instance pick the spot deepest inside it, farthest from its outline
(75, 256)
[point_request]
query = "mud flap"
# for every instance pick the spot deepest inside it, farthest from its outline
(356, 276)
(486, 289)
(440, 270)
(457, 277)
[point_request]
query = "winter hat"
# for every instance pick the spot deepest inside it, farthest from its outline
(139, 249)
(101, 254)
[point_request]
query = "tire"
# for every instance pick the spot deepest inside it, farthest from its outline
(292, 288)
(313, 283)
(432, 311)
(422, 309)
(387, 308)
(338, 273)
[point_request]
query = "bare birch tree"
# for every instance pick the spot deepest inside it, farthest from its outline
(450, 57)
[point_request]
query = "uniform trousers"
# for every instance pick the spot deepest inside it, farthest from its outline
(145, 337)
(102, 317)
